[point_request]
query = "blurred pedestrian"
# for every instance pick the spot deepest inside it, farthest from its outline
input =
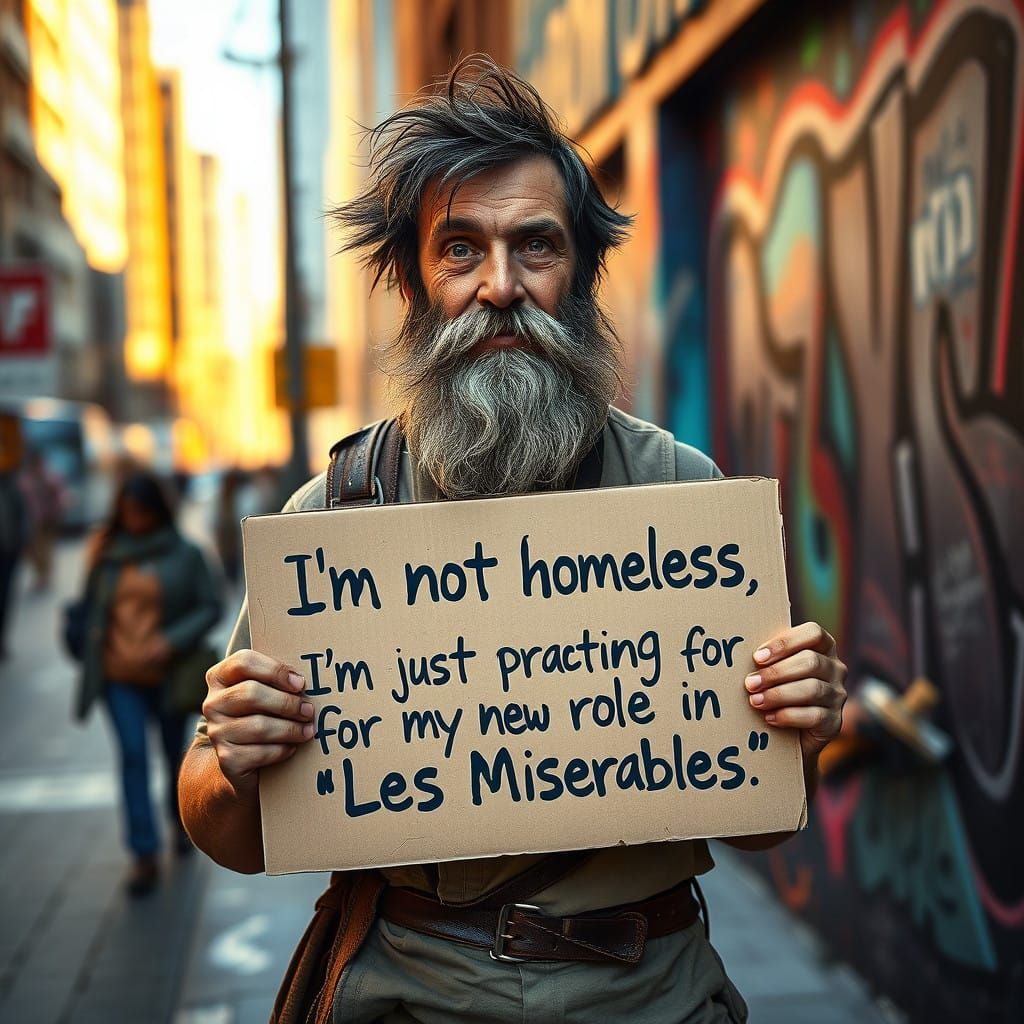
(13, 518)
(44, 499)
(226, 528)
(151, 597)
(266, 487)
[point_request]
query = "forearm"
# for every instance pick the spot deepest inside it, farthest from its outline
(222, 821)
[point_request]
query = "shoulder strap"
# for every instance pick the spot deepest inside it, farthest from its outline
(552, 868)
(364, 467)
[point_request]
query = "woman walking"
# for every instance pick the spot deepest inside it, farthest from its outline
(151, 599)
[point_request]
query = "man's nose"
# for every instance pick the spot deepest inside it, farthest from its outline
(501, 285)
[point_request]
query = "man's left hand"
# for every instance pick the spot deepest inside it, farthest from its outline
(799, 683)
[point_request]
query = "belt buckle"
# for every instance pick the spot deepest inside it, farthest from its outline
(501, 936)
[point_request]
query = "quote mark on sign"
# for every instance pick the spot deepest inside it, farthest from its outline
(758, 741)
(324, 781)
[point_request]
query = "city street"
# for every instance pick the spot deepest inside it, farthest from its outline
(209, 946)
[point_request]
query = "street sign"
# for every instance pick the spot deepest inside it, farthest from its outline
(321, 389)
(27, 360)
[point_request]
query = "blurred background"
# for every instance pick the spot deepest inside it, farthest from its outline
(826, 284)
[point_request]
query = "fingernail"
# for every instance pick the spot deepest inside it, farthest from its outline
(307, 731)
(295, 681)
(757, 699)
(769, 717)
(762, 654)
(306, 709)
(753, 682)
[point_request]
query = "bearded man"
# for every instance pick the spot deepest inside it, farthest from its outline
(481, 212)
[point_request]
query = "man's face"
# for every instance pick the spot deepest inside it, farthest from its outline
(503, 364)
(505, 241)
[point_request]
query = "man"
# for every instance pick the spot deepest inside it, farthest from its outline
(481, 212)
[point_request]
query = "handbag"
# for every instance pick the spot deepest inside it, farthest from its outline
(341, 922)
(185, 687)
(74, 627)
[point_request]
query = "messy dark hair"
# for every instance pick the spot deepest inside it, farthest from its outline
(485, 117)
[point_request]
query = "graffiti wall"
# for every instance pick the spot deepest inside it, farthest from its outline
(863, 290)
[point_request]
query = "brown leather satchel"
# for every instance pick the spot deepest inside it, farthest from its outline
(341, 922)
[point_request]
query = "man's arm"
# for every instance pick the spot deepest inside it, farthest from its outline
(222, 821)
(799, 683)
(256, 716)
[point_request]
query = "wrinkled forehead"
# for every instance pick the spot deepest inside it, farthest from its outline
(497, 199)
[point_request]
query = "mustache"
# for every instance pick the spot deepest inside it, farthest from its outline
(451, 340)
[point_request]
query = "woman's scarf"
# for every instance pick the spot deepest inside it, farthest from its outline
(122, 548)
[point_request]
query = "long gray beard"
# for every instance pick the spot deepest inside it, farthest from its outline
(510, 420)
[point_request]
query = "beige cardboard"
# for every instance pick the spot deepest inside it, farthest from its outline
(304, 830)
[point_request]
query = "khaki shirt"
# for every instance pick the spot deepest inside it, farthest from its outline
(635, 452)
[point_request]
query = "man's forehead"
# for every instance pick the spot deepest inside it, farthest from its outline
(531, 188)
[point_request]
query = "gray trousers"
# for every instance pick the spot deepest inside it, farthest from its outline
(401, 976)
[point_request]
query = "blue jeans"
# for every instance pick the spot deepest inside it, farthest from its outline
(131, 708)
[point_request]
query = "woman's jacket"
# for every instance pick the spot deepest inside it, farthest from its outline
(190, 598)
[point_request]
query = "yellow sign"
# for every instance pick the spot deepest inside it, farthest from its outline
(321, 388)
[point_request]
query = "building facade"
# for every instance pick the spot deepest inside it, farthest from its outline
(148, 342)
(33, 228)
(76, 119)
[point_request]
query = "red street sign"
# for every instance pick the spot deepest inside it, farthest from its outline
(24, 312)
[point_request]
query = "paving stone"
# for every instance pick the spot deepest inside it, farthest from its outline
(790, 1009)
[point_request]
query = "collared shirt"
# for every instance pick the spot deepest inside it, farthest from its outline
(634, 452)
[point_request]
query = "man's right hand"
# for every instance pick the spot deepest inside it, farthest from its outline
(256, 715)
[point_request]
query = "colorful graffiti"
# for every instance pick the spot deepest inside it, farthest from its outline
(866, 307)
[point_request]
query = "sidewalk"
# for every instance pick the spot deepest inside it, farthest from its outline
(776, 961)
(73, 948)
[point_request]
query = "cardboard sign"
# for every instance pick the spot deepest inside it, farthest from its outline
(522, 675)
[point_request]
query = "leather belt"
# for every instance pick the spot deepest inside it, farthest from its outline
(519, 932)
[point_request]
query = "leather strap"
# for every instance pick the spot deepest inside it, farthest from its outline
(534, 878)
(364, 467)
(356, 917)
(520, 932)
(389, 464)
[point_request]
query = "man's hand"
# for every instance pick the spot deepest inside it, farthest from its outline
(800, 684)
(256, 715)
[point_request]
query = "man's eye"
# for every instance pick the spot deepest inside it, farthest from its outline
(459, 250)
(536, 245)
